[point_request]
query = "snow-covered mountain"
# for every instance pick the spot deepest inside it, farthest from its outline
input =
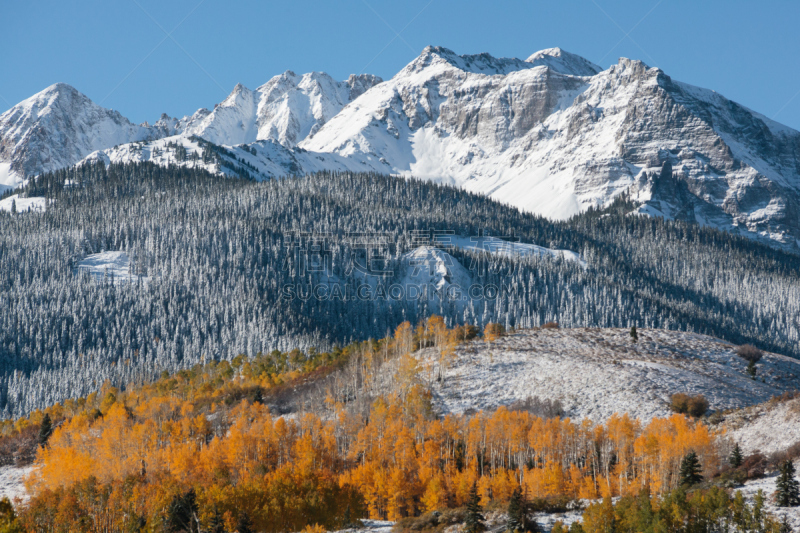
(60, 126)
(286, 109)
(553, 134)
(56, 128)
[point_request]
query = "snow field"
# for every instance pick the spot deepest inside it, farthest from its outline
(35, 204)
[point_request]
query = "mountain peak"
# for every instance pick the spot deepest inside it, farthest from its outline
(564, 62)
(55, 92)
(57, 127)
(239, 89)
(239, 94)
(484, 63)
(58, 87)
(432, 54)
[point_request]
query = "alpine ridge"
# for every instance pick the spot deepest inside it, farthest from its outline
(553, 134)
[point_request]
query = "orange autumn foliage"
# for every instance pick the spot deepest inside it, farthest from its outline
(397, 464)
(206, 430)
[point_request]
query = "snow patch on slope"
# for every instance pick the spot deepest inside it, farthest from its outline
(107, 266)
(9, 179)
(12, 482)
(35, 204)
(495, 245)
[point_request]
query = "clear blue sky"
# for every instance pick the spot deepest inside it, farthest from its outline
(118, 52)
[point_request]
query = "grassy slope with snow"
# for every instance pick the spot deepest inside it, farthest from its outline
(11, 482)
(768, 428)
(598, 372)
(767, 484)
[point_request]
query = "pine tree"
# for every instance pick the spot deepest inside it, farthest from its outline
(634, 335)
(736, 457)
(751, 369)
(216, 524)
(244, 525)
(516, 512)
(45, 430)
(474, 522)
(690, 470)
(347, 520)
(787, 492)
(785, 527)
(758, 509)
(181, 514)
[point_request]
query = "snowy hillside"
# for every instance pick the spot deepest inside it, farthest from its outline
(754, 428)
(767, 485)
(598, 372)
(12, 482)
(23, 205)
(770, 427)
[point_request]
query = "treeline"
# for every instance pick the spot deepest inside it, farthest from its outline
(210, 258)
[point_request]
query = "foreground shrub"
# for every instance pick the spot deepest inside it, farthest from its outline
(493, 331)
(749, 353)
(684, 404)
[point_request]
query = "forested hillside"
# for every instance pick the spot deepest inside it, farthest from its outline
(216, 267)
